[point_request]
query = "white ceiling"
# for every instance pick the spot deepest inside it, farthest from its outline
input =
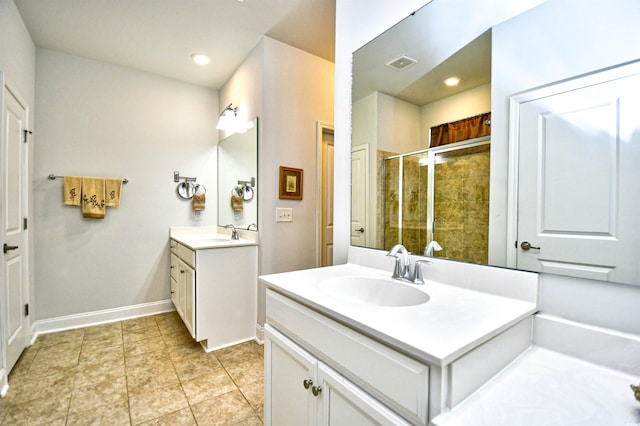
(158, 36)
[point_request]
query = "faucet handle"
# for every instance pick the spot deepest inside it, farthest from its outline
(418, 277)
(397, 269)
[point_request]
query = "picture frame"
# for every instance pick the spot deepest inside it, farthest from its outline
(291, 183)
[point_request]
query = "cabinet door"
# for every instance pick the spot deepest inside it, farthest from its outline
(288, 398)
(174, 280)
(341, 403)
(181, 293)
(189, 301)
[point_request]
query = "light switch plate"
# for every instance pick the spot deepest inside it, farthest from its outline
(284, 214)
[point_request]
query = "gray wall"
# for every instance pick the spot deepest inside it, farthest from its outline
(99, 119)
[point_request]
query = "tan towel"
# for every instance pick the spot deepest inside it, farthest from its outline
(93, 203)
(198, 202)
(236, 203)
(113, 189)
(72, 189)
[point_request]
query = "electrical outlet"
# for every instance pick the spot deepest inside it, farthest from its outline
(284, 214)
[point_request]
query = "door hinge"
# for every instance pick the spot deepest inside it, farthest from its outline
(24, 224)
(26, 134)
(26, 309)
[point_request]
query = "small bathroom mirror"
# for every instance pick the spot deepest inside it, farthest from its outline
(186, 190)
(237, 179)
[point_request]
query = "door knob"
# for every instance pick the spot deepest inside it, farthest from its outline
(6, 248)
(306, 383)
(360, 230)
(526, 245)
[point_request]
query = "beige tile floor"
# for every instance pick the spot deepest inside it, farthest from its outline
(146, 370)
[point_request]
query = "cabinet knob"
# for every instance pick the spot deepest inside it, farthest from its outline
(316, 390)
(182, 271)
(307, 383)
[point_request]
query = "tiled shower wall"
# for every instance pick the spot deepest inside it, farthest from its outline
(461, 206)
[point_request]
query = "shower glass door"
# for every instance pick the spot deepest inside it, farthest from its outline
(439, 194)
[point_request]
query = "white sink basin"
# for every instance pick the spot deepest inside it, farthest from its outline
(373, 291)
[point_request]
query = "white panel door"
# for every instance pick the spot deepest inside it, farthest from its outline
(326, 231)
(13, 176)
(290, 372)
(579, 179)
(359, 195)
(344, 404)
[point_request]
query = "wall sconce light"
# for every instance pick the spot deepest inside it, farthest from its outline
(228, 118)
(230, 122)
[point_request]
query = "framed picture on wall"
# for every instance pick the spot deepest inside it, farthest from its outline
(290, 183)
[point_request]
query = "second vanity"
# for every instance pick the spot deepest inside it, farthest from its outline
(213, 285)
(332, 358)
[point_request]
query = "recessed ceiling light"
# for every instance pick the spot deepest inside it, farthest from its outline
(452, 81)
(200, 58)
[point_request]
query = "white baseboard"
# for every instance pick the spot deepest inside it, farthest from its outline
(4, 382)
(99, 317)
(259, 334)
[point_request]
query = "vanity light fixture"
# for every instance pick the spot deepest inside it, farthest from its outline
(230, 122)
(200, 58)
(452, 81)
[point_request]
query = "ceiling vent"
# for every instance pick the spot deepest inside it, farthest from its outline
(401, 63)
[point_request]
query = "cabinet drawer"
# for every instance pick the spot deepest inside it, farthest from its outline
(186, 254)
(398, 381)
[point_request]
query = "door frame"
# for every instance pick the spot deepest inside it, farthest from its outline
(4, 385)
(321, 128)
(515, 102)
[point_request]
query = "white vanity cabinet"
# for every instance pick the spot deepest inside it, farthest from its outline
(319, 372)
(214, 291)
(305, 391)
(183, 283)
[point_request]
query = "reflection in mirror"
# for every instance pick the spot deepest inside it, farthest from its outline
(237, 184)
(425, 179)
(463, 197)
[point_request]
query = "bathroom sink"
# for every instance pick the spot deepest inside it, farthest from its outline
(373, 291)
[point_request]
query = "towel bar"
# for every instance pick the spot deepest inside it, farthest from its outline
(52, 177)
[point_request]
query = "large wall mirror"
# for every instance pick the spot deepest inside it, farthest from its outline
(237, 179)
(551, 186)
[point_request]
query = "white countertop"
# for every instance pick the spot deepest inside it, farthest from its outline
(452, 322)
(544, 387)
(199, 238)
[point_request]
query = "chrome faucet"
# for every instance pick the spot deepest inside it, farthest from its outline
(250, 225)
(234, 231)
(433, 245)
(402, 268)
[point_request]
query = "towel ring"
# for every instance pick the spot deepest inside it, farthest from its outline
(198, 189)
(237, 191)
(248, 193)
